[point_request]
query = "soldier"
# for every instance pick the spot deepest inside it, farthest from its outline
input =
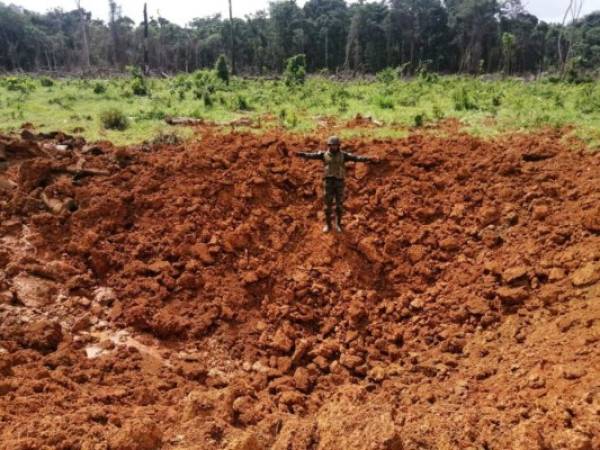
(334, 175)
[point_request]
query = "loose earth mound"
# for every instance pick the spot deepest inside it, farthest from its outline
(183, 297)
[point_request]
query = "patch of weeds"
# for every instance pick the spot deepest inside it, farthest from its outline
(46, 82)
(114, 119)
(240, 103)
(99, 88)
(384, 102)
(419, 120)
(463, 101)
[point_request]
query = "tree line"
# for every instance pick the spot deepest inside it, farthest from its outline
(451, 36)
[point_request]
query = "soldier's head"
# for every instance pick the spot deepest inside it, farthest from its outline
(334, 143)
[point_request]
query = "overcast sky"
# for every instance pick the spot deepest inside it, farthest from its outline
(182, 11)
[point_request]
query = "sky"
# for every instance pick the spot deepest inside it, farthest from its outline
(182, 11)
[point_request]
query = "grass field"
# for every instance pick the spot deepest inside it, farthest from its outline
(484, 107)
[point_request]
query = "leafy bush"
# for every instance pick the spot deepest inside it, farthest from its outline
(386, 76)
(46, 82)
(295, 70)
(207, 99)
(463, 101)
(588, 100)
(419, 120)
(204, 80)
(240, 103)
(139, 85)
(114, 119)
(18, 84)
(99, 88)
(384, 102)
(222, 70)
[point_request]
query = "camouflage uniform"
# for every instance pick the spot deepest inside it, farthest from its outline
(333, 178)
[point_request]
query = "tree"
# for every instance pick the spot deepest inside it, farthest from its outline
(232, 38)
(475, 27)
(287, 31)
(146, 58)
(114, 15)
(366, 44)
(295, 70)
(222, 69)
(573, 12)
(85, 48)
(508, 44)
(326, 24)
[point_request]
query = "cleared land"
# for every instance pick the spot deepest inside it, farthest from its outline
(485, 108)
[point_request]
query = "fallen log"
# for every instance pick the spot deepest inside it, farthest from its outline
(184, 121)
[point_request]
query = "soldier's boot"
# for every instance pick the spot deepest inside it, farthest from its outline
(338, 222)
(327, 227)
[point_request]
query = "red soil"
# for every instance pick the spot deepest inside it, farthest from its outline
(191, 301)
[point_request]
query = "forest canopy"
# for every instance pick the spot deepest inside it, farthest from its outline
(453, 36)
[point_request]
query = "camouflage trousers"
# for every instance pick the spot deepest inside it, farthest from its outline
(334, 192)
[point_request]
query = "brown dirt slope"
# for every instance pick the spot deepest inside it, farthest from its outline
(183, 297)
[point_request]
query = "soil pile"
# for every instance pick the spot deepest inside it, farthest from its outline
(184, 297)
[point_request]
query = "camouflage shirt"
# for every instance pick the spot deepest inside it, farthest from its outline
(335, 162)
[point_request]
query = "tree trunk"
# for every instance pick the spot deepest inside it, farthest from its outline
(327, 48)
(85, 50)
(232, 39)
(146, 58)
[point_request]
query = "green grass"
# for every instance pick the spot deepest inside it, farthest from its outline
(485, 108)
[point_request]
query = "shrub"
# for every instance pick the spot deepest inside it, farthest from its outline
(222, 70)
(295, 70)
(99, 88)
(419, 120)
(386, 76)
(139, 85)
(463, 101)
(23, 85)
(46, 82)
(385, 102)
(114, 119)
(240, 103)
(207, 99)
(204, 81)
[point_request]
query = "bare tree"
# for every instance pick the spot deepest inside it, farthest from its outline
(573, 12)
(114, 15)
(85, 47)
(232, 38)
(146, 59)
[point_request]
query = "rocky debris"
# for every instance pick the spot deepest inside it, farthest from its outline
(540, 152)
(366, 426)
(282, 342)
(6, 364)
(251, 330)
(586, 275)
(540, 212)
(360, 121)
(515, 275)
(34, 292)
(203, 253)
(512, 296)
(489, 215)
(43, 335)
(205, 403)
(137, 434)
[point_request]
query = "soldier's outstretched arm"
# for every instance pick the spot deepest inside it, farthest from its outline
(358, 158)
(307, 155)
